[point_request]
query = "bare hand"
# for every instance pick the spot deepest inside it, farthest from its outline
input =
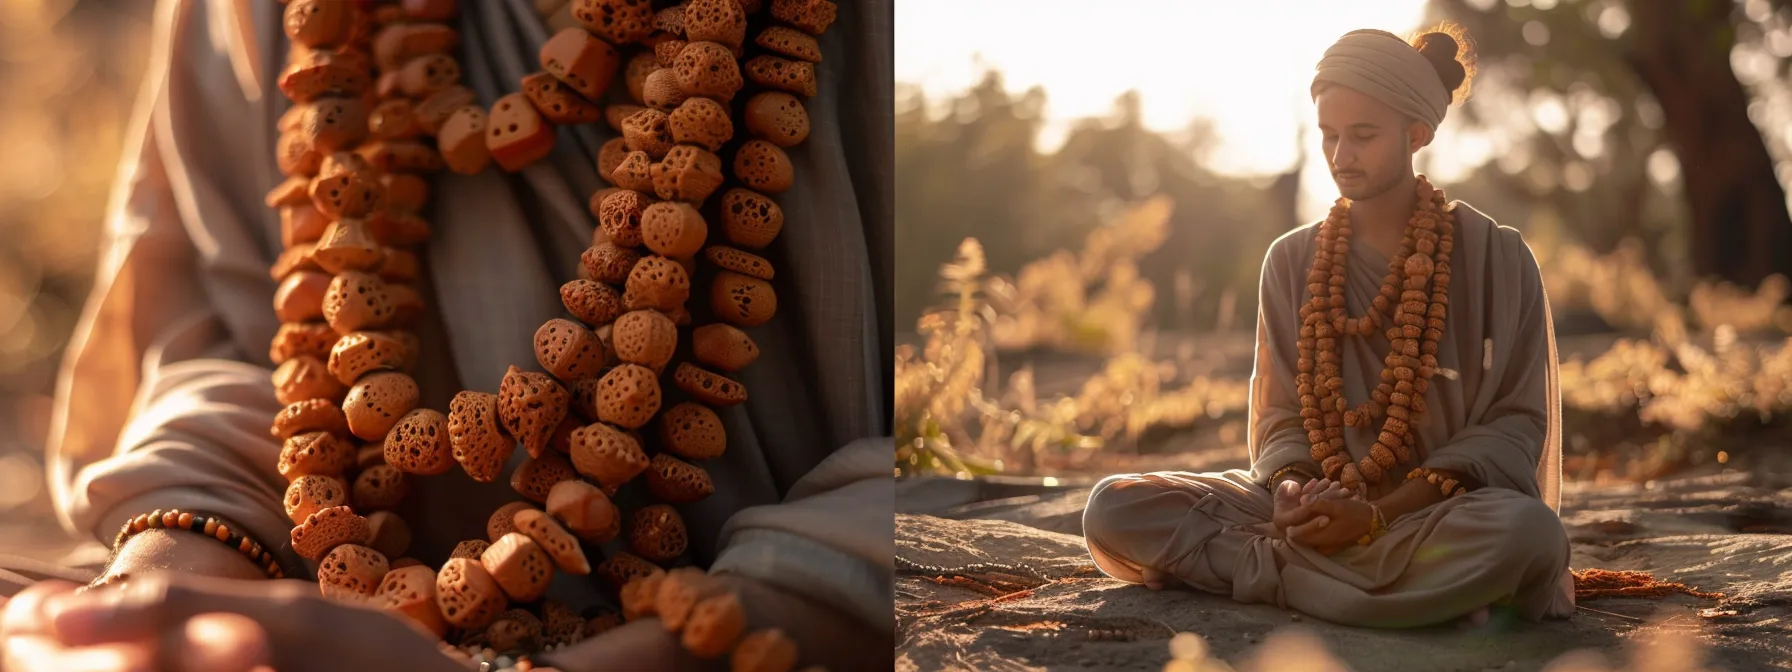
(1293, 502)
(1322, 488)
(165, 621)
(27, 641)
(823, 635)
(1345, 521)
(642, 644)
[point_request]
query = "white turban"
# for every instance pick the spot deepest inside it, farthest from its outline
(1386, 68)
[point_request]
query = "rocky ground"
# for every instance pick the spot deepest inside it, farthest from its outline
(1037, 604)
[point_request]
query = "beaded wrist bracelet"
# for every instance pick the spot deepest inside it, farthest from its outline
(1294, 467)
(1378, 526)
(208, 525)
(1449, 486)
(507, 663)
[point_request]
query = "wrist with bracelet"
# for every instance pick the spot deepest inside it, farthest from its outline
(1448, 485)
(1378, 526)
(203, 523)
(1294, 468)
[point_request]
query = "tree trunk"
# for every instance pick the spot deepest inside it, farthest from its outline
(1681, 50)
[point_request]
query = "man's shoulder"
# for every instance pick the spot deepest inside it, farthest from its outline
(1294, 243)
(1499, 243)
(1473, 224)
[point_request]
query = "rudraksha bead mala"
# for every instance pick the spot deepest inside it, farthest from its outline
(378, 107)
(1413, 303)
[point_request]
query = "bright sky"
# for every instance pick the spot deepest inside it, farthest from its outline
(1245, 65)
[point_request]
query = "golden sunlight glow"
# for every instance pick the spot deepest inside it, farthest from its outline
(1244, 65)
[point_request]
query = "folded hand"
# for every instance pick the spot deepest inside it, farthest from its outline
(1337, 524)
(164, 621)
(824, 636)
(1293, 503)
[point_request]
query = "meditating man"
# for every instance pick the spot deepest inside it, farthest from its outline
(1404, 417)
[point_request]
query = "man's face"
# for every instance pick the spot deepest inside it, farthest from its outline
(1368, 145)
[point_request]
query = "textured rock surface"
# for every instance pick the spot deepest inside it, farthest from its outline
(1730, 533)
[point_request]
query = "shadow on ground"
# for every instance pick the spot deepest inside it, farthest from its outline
(1727, 532)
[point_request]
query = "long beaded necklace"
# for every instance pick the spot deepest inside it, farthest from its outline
(355, 146)
(1416, 318)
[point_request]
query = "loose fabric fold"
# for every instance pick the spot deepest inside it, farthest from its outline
(1501, 423)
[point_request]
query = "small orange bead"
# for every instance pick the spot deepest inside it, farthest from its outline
(140, 523)
(211, 526)
(185, 521)
(244, 547)
(155, 518)
(223, 533)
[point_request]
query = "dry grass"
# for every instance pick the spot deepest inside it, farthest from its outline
(1624, 291)
(1716, 366)
(1088, 301)
(1684, 387)
(1092, 300)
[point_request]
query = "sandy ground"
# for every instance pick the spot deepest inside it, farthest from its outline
(1728, 532)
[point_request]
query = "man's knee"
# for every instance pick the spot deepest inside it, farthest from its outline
(1116, 506)
(1532, 531)
(1107, 497)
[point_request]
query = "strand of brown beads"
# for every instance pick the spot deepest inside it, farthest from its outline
(347, 213)
(1450, 487)
(1417, 318)
(665, 169)
(639, 324)
(418, 95)
(365, 196)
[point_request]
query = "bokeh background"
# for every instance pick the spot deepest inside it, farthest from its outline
(1083, 204)
(69, 73)
(1085, 193)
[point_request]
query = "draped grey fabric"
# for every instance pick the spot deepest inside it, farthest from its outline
(1494, 411)
(165, 399)
(1494, 414)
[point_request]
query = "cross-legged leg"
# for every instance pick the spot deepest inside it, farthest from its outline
(1212, 532)
(1169, 527)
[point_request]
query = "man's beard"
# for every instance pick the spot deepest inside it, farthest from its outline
(1363, 190)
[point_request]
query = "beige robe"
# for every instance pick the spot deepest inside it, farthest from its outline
(1497, 420)
(165, 399)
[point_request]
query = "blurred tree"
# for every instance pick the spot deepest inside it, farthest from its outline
(1598, 79)
(967, 168)
(1219, 228)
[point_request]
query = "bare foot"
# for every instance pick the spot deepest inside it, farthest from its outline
(1159, 580)
(1475, 619)
(1567, 586)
